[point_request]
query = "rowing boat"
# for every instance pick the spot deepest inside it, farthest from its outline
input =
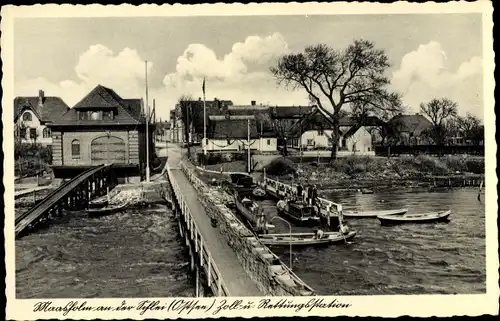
(110, 209)
(442, 216)
(374, 214)
(99, 202)
(305, 239)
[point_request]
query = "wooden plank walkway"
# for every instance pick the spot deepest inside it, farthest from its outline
(235, 277)
(27, 191)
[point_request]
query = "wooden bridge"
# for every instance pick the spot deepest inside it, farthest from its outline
(210, 253)
(74, 194)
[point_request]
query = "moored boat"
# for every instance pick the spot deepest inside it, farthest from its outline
(107, 210)
(305, 239)
(99, 202)
(366, 191)
(252, 212)
(374, 214)
(299, 213)
(442, 216)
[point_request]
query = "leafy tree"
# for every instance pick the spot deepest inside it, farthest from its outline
(334, 79)
(440, 112)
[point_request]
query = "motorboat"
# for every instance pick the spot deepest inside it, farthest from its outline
(252, 212)
(298, 212)
(442, 216)
(374, 214)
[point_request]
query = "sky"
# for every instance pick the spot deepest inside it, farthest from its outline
(431, 56)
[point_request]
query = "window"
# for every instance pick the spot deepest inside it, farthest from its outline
(95, 115)
(46, 133)
(107, 115)
(75, 149)
(268, 142)
(32, 132)
(83, 115)
(310, 142)
(27, 116)
(320, 132)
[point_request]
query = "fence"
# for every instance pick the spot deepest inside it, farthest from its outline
(429, 150)
(214, 277)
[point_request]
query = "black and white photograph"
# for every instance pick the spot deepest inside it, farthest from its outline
(319, 159)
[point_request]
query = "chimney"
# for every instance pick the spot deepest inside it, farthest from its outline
(41, 98)
(253, 102)
(199, 98)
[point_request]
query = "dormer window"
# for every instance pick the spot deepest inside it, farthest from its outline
(27, 116)
(95, 115)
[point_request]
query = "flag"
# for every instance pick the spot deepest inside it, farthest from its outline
(203, 87)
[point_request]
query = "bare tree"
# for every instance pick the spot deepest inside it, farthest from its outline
(334, 79)
(440, 112)
(185, 110)
(470, 128)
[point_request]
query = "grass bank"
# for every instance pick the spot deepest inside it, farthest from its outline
(358, 171)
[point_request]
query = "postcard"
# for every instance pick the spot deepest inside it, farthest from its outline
(245, 160)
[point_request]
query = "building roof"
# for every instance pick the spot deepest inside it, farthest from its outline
(316, 120)
(128, 111)
(290, 111)
(415, 124)
(236, 127)
(51, 109)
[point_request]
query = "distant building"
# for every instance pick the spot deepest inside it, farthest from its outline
(314, 131)
(102, 128)
(32, 114)
(409, 129)
(231, 133)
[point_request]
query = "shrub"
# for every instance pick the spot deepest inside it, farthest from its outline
(280, 166)
(475, 166)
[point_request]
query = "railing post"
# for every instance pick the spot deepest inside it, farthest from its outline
(209, 268)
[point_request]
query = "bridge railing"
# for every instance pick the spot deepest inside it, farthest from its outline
(213, 272)
(283, 189)
(50, 200)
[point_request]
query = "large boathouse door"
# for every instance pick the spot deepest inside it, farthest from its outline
(108, 150)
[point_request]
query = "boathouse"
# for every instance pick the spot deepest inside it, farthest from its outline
(102, 128)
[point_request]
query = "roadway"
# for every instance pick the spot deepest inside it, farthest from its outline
(236, 279)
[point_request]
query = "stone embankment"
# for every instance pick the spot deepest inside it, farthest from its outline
(262, 265)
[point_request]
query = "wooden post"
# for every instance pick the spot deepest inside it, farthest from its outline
(197, 277)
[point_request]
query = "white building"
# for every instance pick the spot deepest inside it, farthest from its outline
(232, 133)
(31, 114)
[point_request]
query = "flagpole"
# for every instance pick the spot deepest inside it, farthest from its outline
(248, 143)
(204, 121)
(147, 125)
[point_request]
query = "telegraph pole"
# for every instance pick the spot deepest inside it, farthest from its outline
(248, 143)
(147, 125)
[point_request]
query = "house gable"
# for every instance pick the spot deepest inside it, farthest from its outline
(126, 111)
(46, 109)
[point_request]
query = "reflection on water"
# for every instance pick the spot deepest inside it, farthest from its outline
(429, 258)
(136, 253)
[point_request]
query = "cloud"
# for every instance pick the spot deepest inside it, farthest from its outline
(241, 75)
(424, 74)
(124, 72)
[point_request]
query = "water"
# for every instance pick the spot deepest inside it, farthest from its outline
(444, 258)
(137, 253)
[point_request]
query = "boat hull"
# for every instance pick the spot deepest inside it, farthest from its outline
(374, 214)
(306, 222)
(415, 219)
(305, 239)
(98, 212)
